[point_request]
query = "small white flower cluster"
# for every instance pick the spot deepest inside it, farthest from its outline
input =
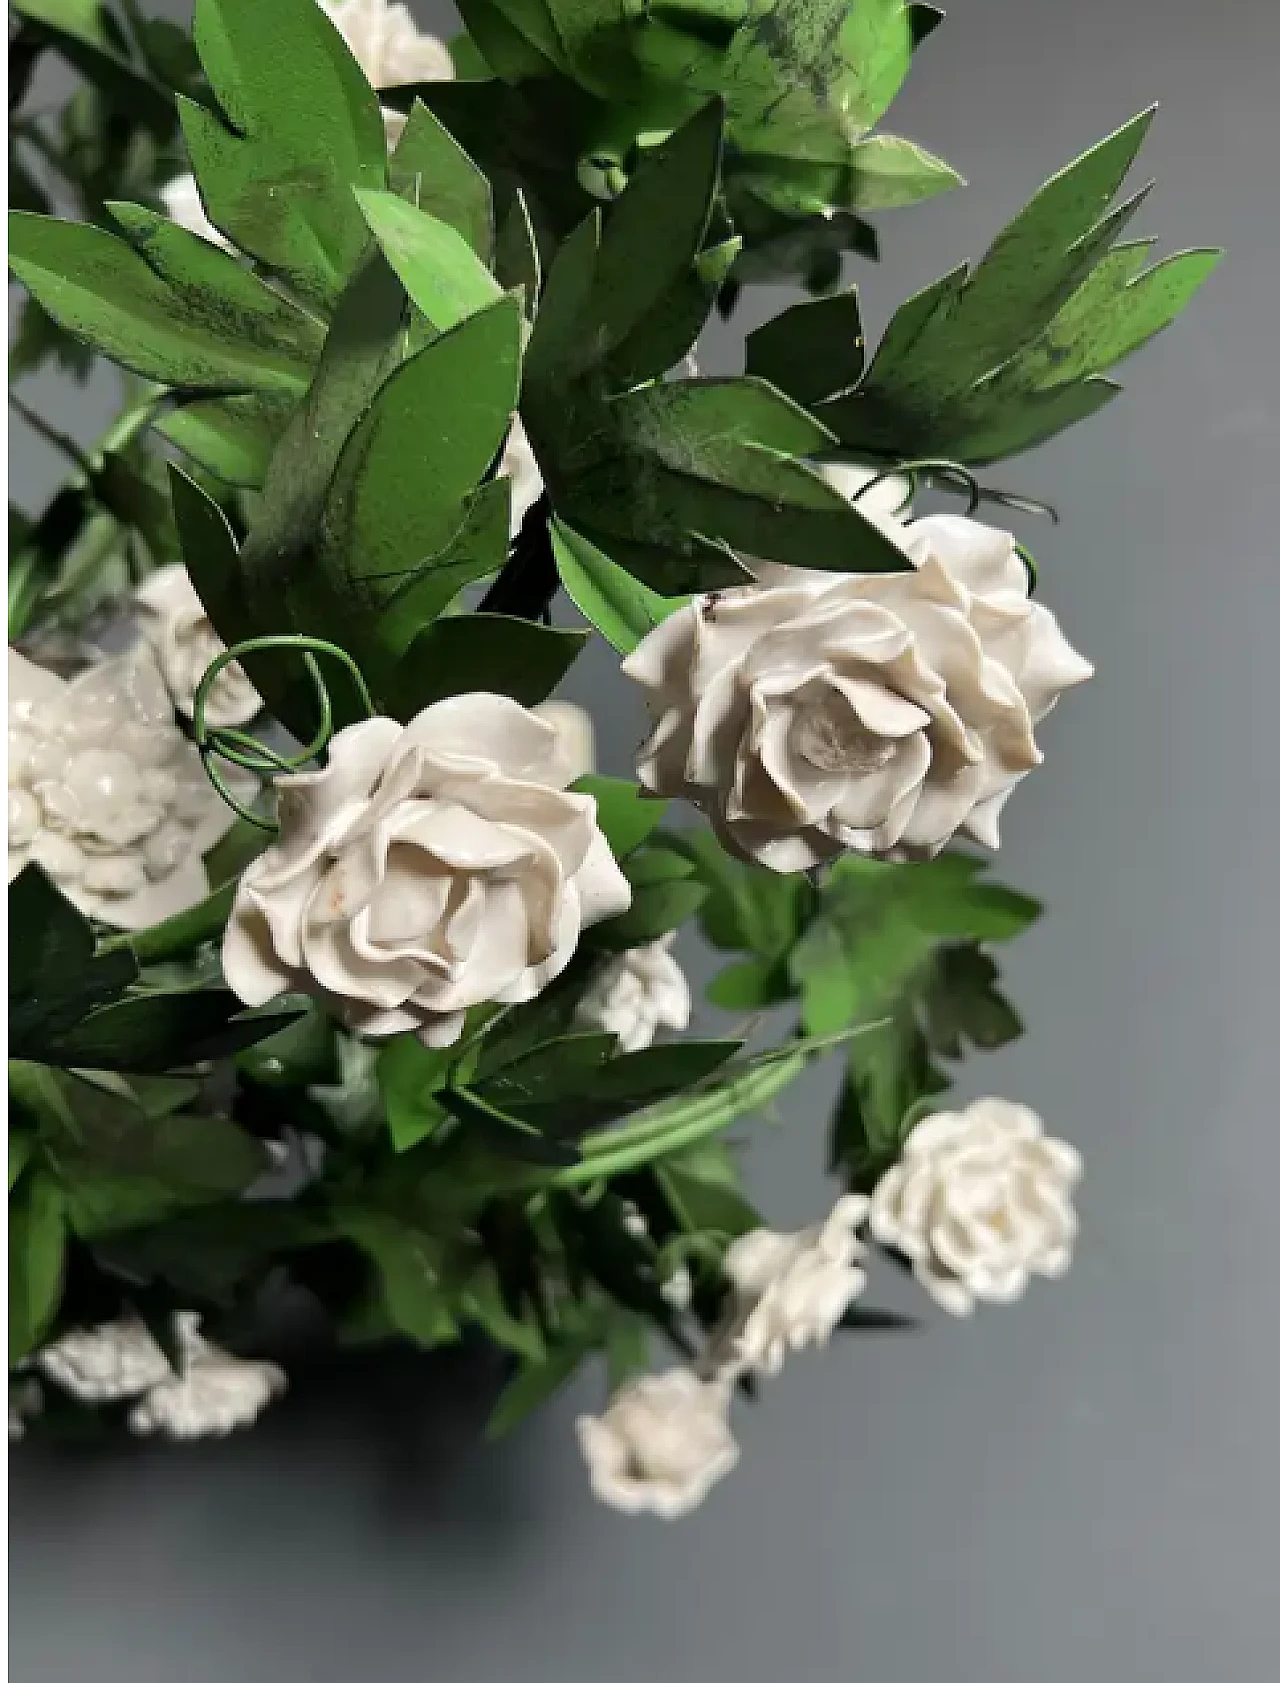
(979, 1202)
(210, 1394)
(105, 792)
(638, 993)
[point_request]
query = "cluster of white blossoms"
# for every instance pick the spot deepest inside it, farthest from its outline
(814, 713)
(179, 632)
(427, 868)
(105, 792)
(638, 993)
(391, 50)
(979, 1202)
(209, 1394)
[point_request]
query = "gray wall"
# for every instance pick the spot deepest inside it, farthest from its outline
(1084, 1486)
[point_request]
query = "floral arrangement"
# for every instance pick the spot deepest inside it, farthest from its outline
(334, 963)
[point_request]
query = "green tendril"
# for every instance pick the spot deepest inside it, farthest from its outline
(954, 476)
(238, 748)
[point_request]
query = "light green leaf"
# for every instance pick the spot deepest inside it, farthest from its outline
(623, 610)
(409, 1075)
(431, 171)
(625, 812)
(436, 265)
(230, 437)
(889, 172)
(412, 1273)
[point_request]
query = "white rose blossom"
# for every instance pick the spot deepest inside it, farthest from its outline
(661, 1443)
(792, 1289)
(877, 712)
(174, 623)
(210, 1394)
(391, 50)
(978, 1202)
(576, 734)
(426, 869)
(638, 993)
(105, 792)
(214, 1393)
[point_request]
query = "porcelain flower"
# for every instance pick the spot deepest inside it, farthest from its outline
(105, 792)
(174, 623)
(661, 1443)
(428, 868)
(213, 1394)
(104, 1363)
(792, 1289)
(26, 1401)
(576, 735)
(521, 467)
(979, 1201)
(638, 993)
(183, 205)
(877, 712)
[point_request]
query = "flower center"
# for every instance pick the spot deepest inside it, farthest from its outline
(832, 738)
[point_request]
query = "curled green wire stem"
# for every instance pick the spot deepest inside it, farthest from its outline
(238, 748)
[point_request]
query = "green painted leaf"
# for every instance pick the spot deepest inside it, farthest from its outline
(981, 366)
(494, 652)
(623, 610)
(230, 437)
(156, 1031)
(478, 549)
(625, 812)
(536, 1382)
(437, 266)
(409, 1076)
(431, 171)
(184, 933)
(747, 909)
(813, 350)
(889, 172)
(101, 289)
(516, 260)
(591, 1090)
(276, 168)
(655, 910)
(412, 1269)
(425, 442)
(36, 1243)
(55, 977)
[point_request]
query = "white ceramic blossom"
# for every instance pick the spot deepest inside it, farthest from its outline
(183, 205)
(876, 712)
(215, 1392)
(521, 467)
(979, 1201)
(426, 869)
(173, 621)
(661, 1443)
(106, 1363)
(792, 1289)
(105, 792)
(638, 993)
(576, 736)
(26, 1401)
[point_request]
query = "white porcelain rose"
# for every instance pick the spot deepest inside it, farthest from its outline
(979, 1201)
(661, 1443)
(792, 1289)
(638, 993)
(426, 869)
(874, 712)
(211, 1394)
(173, 621)
(105, 792)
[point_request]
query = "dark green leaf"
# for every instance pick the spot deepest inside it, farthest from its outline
(55, 979)
(412, 1271)
(483, 652)
(409, 1076)
(156, 1031)
(655, 910)
(535, 1382)
(813, 350)
(299, 128)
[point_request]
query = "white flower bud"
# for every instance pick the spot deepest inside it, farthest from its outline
(661, 1443)
(638, 993)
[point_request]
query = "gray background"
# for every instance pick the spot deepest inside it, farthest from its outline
(1084, 1486)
